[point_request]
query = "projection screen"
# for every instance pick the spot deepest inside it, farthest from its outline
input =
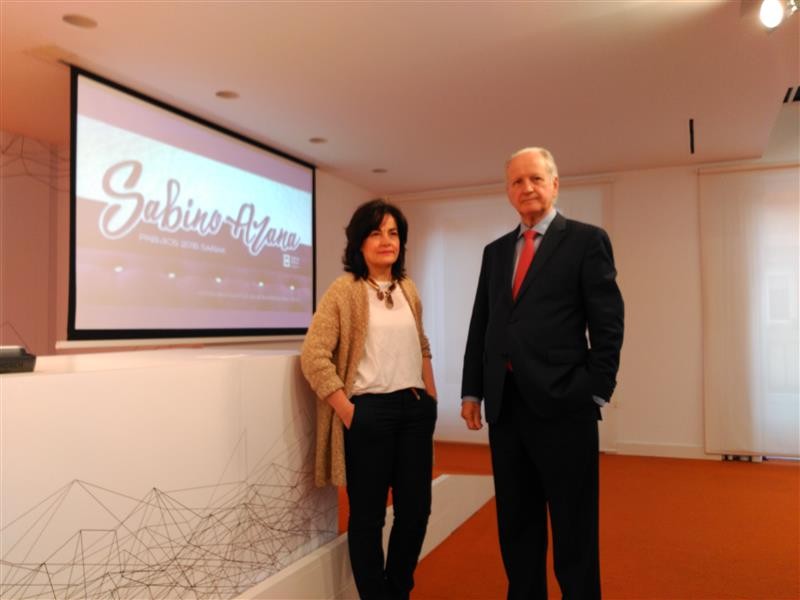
(181, 228)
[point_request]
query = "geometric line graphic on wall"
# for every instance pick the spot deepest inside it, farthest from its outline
(213, 541)
(24, 157)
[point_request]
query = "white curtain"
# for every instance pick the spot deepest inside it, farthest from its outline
(749, 230)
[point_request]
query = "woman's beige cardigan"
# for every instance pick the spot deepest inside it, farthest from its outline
(332, 350)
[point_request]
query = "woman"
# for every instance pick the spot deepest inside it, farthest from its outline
(368, 360)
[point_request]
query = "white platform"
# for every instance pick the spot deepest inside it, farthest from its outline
(188, 471)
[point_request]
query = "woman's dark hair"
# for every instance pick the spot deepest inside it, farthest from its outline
(367, 218)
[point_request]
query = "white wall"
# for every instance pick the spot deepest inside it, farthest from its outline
(654, 225)
(29, 195)
(336, 201)
(195, 474)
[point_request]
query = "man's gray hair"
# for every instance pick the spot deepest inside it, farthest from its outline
(549, 161)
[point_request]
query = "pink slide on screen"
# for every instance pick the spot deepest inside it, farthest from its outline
(181, 227)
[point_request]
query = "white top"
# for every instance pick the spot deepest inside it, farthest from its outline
(392, 357)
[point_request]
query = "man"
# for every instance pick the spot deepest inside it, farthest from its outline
(543, 381)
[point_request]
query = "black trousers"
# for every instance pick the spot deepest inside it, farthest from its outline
(389, 445)
(543, 465)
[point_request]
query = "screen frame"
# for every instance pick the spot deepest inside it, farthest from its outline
(266, 333)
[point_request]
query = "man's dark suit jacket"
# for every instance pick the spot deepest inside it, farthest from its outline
(570, 287)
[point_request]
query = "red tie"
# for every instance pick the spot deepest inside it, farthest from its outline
(525, 259)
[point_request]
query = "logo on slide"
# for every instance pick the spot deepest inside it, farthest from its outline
(129, 208)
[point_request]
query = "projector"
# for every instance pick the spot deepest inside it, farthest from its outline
(15, 359)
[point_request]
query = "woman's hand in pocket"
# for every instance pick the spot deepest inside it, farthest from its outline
(342, 406)
(347, 415)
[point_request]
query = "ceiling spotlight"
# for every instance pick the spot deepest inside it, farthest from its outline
(379, 170)
(79, 21)
(318, 140)
(771, 13)
(774, 12)
(227, 94)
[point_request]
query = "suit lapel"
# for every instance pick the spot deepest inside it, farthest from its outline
(506, 256)
(551, 239)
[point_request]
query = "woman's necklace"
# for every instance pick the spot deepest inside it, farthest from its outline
(383, 293)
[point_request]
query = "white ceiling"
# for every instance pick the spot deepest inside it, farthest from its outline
(438, 93)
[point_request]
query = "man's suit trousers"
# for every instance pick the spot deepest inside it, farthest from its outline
(540, 466)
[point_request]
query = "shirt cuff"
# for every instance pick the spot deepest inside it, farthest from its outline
(471, 399)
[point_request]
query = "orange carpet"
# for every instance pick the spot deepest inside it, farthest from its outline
(671, 529)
